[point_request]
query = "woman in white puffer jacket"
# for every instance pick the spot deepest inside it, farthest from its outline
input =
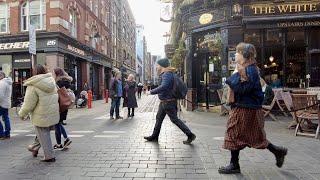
(41, 102)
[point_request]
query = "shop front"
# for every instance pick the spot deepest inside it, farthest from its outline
(287, 37)
(53, 50)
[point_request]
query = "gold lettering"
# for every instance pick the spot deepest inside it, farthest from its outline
(293, 8)
(272, 10)
(283, 8)
(313, 7)
(255, 8)
(264, 10)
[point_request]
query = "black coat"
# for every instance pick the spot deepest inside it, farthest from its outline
(130, 99)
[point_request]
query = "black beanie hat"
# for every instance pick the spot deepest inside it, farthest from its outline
(164, 62)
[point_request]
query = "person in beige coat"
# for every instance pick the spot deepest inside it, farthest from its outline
(41, 102)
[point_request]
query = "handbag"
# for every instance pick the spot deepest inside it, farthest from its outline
(65, 101)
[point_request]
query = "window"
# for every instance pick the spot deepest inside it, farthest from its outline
(4, 18)
(91, 5)
(34, 13)
(96, 11)
(73, 23)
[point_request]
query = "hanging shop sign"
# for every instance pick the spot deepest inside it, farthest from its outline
(15, 45)
(312, 6)
(76, 50)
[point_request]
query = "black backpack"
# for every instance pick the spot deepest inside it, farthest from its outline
(179, 87)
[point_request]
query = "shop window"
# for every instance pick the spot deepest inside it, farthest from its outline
(73, 23)
(4, 18)
(296, 36)
(34, 13)
(274, 37)
(253, 37)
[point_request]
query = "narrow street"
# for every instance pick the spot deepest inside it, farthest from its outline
(115, 149)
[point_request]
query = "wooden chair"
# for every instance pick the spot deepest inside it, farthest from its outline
(224, 107)
(267, 109)
(307, 114)
(280, 102)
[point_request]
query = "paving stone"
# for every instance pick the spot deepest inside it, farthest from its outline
(155, 175)
(95, 174)
(140, 175)
(125, 170)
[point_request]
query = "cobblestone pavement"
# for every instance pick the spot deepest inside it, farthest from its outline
(115, 149)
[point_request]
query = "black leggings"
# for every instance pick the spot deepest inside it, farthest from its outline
(132, 111)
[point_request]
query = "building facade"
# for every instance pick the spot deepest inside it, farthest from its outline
(285, 33)
(140, 45)
(124, 40)
(154, 73)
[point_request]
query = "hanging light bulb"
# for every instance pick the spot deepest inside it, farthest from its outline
(271, 58)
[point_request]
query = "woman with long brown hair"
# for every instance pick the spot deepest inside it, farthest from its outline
(62, 80)
(245, 127)
(41, 102)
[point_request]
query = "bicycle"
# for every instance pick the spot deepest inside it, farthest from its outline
(19, 104)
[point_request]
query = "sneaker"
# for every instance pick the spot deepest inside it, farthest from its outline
(190, 139)
(280, 156)
(58, 147)
(111, 118)
(2, 138)
(119, 117)
(67, 142)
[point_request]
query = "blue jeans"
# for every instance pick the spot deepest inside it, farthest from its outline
(60, 130)
(115, 106)
(5, 117)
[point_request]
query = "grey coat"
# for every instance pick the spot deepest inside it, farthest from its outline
(130, 99)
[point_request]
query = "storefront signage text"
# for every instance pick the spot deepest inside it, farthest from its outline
(21, 60)
(76, 50)
(16, 45)
(298, 24)
(276, 9)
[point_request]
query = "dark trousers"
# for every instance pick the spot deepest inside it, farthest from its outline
(139, 93)
(115, 106)
(131, 110)
(170, 109)
(5, 131)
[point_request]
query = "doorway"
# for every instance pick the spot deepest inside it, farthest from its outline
(18, 90)
(209, 79)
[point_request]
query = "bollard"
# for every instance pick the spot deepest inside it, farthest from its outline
(89, 99)
(107, 95)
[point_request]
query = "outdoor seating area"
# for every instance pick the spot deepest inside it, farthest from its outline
(302, 105)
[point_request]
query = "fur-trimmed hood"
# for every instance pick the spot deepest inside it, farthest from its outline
(64, 78)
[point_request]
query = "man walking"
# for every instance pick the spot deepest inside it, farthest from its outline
(115, 95)
(5, 104)
(168, 103)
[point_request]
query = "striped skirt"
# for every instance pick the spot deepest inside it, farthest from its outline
(245, 128)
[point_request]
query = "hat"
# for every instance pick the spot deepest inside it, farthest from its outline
(164, 62)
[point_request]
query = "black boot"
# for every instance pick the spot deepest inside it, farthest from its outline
(151, 138)
(279, 152)
(191, 138)
(233, 167)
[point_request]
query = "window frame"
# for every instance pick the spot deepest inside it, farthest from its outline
(25, 8)
(6, 17)
(74, 24)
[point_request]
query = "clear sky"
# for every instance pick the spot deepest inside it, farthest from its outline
(147, 13)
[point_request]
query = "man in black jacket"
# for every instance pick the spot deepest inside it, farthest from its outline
(116, 94)
(168, 103)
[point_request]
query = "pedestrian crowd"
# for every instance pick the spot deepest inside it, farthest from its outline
(246, 93)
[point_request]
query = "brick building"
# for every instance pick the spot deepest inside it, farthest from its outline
(82, 36)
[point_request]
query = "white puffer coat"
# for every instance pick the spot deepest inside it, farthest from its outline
(41, 101)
